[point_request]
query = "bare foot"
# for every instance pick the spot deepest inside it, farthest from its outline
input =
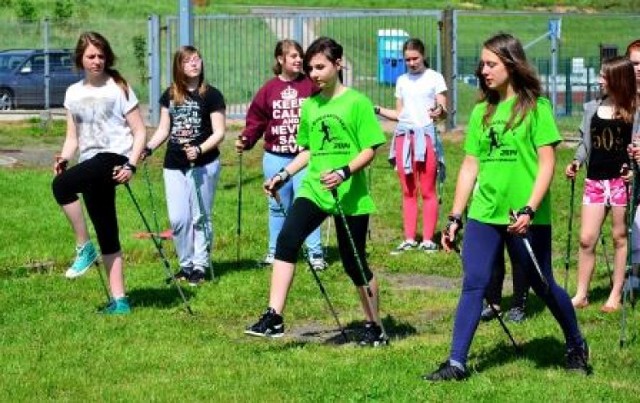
(580, 303)
(609, 308)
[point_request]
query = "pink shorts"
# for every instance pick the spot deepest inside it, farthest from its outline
(608, 192)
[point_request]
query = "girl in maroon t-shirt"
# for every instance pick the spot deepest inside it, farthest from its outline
(275, 114)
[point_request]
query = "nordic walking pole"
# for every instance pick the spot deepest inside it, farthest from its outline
(203, 217)
(569, 233)
(305, 255)
(154, 214)
(239, 222)
(326, 237)
(158, 246)
(369, 187)
(451, 242)
(527, 245)
(627, 289)
(498, 316)
(104, 285)
(606, 258)
(369, 293)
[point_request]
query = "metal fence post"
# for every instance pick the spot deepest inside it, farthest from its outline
(154, 68)
(298, 25)
(450, 62)
(47, 101)
(554, 33)
(186, 23)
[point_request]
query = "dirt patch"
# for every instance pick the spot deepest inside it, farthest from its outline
(431, 282)
(314, 332)
(27, 157)
(421, 282)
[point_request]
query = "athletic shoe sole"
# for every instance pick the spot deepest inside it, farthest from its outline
(71, 274)
(269, 335)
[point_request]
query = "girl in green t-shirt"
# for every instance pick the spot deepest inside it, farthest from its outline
(510, 154)
(339, 134)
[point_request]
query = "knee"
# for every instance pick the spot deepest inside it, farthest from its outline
(588, 242)
(276, 210)
(358, 278)
(475, 283)
(408, 193)
(619, 239)
(60, 193)
(180, 221)
(287, 247)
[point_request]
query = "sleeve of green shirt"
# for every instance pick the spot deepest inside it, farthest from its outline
(302, 138)
(544, 129)
(370, 132)
(474, 129)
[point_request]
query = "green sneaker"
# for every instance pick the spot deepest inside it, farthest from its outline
(117, 306)
(86, 255)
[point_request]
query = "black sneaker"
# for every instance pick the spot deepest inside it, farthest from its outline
(578, 359)
(182, 274)
(516, 314)
(489, 314)
(270, 324)
(446, 372)
(372, 336)
(196, 277)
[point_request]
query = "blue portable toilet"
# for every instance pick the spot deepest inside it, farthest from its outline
(390, 57)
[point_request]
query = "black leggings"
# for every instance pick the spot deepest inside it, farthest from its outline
(520, 282)
(94, 179)
(304, 216)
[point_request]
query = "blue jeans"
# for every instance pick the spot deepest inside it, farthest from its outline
(482, 246)
(271, 164)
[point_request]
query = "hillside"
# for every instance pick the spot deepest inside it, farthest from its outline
(66, 9)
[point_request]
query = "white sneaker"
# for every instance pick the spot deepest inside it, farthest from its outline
(404, 246)
(268, 260)
(318, 263)
(428, 246)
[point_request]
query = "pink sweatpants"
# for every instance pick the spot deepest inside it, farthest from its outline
(424, 175)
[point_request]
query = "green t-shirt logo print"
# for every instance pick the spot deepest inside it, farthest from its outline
(493, 140)
(326, 134)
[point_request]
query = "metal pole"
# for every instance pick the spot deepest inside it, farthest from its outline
(46, 65)
(154, 68)
(186, 23)
(554, 34)
(448, 29)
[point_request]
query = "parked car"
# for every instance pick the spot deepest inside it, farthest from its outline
(22, 78)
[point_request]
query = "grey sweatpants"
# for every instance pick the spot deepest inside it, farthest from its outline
(189, 224)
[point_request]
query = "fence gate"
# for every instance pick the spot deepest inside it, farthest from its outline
(238, 49)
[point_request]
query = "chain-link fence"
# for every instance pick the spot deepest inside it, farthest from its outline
(32, 78)
(238, 51)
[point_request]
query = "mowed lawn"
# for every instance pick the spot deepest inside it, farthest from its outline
(53, 346)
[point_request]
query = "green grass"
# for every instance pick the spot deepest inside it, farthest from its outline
(54, 347)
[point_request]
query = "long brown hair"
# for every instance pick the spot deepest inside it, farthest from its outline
(524, 80)
(179, 85)
(620, 76)
(100, 42)
(281, 49)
